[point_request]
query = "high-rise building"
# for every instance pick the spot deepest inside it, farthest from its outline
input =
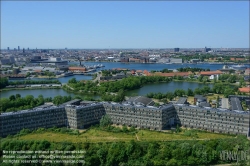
(23, 50)
(8, 48)
(28, 48)
(176, 49)
(18, 48)
(207, 49)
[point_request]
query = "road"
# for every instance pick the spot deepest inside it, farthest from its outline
(97, 77)
(68, 86)
(224, 103)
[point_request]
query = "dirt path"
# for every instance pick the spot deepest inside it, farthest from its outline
(137, 137)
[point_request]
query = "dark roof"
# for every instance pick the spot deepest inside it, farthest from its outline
(182, 100)
(235, 103)
(141, 99)
(87, 102)
(73, 102)
(204, 104)
(200, 97)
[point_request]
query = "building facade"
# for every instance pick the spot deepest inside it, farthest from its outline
(85, 115)
(41, 117)
(140, 116)
(137, 111)
(214, 120)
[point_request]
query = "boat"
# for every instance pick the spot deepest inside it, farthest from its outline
(67, 74)
(239, 67)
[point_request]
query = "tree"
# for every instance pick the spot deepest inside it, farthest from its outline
(18, 96)
(132, 129)
(205, 90)
(124, 128)
(12, 97)
(172, 162)
(197, 91)
(170, 95)
(40, 99)
(28, 74)
(232, 78)
(105, 121)
(179, 92)
(157, 104)
(72, 81)
(217, 102)
(215, 79)
(200, 78)
(228, 91)
(178, 129)
(190, 92)
(3, 82)
(58, 100)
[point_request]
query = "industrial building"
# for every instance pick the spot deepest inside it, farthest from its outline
(137, 111)
(176, 60)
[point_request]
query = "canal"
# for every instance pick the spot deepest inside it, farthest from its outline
(61, 79)
(156, 87)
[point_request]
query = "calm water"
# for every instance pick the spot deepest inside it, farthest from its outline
(152, 66)
(158, 87)
(63, 79)
(45, 92)
(36, 92)
(166, 87)
(66, 79)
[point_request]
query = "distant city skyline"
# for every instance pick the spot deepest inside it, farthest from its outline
(124, 24)
(167, 48)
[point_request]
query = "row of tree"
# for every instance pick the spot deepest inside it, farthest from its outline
(109, 72)
(230, 78)
(204, 57)
(118, 97)
(4, 82)
(16, 102)
(34, 82)
(170, 153)
(195, 69)
(182, 69)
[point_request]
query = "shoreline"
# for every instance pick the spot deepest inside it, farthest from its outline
(212, 63)
(30, 88)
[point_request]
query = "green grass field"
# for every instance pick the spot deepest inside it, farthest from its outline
(96, 135)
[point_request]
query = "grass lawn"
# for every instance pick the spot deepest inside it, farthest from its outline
(97, 135)
(92, 135)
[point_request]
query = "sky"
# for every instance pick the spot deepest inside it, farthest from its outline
(124, 24)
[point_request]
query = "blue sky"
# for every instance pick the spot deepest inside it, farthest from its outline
(124, 24)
